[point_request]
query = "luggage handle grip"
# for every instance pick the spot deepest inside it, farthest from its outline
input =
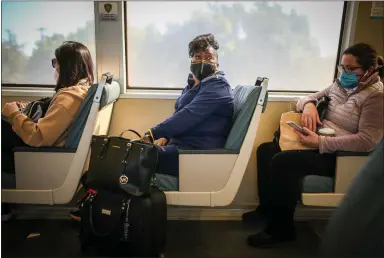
(94, 231)
(130, 130)
(91, 223)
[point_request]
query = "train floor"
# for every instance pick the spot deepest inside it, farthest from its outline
(205, 239)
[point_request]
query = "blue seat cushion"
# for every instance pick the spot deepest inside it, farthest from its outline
(167, 182)
(110, 93)
(318, 184)
(245, 99)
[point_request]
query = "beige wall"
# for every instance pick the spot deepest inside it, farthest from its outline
(370, 31)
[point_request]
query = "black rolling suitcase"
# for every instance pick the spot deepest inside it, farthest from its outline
(122, 224)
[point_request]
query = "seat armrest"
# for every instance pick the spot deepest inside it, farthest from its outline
(352, 153)
(213, 151)
(322, 199)
(347, 168)
(44, 149)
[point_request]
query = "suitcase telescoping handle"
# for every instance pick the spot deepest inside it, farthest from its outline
(130, 130)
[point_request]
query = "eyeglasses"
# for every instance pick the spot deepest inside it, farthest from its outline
(342, 68)
(54, 62)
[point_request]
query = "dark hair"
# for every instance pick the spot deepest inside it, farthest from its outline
(380, 61)
(75, 63)
(202, 42)
(366, 56)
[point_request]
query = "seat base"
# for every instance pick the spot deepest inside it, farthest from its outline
(41, 170)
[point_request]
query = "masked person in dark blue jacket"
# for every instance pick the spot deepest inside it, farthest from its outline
(203, 112)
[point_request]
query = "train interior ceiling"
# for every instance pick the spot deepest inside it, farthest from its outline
(145, 46)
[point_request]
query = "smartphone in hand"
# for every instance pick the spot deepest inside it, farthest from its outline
(296, 126)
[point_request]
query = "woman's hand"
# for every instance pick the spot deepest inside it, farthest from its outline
(309, 140)
(195, 79)
(22, 104)
(161, 142)
(145, 139)
(10, 108)
(310, 117)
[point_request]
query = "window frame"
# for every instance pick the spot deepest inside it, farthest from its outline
(50, 86)
(128, 87)
(343, 25)
(120, 65)
(19, 85)
(341, 37)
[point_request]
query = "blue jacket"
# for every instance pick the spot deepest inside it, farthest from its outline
(203, 115)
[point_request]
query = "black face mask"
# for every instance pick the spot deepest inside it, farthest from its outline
(202, 70)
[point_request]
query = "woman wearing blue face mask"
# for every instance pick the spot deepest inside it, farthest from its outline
(352, 72)
(355, 113)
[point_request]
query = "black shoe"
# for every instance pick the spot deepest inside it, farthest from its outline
(254, 216)
(6, 213)
(75, 215)
(264, 240)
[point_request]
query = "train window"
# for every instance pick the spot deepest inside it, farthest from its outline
(32, 30)
(293, 43)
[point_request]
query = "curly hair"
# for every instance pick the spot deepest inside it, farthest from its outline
(203, 41)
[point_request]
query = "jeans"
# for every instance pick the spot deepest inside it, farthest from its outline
(168, 161)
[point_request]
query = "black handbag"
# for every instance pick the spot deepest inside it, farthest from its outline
(37, 109)
(121, 165)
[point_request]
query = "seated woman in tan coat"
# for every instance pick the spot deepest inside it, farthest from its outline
(73, 74)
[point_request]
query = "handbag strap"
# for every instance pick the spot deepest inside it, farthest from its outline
(130, 130)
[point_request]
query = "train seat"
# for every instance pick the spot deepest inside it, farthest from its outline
(222, 170)
(51, 175)
(328, 192)
(212, 177)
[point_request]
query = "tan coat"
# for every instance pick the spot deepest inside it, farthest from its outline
(52, 130)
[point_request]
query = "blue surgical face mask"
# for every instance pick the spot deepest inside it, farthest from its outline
(348, 80)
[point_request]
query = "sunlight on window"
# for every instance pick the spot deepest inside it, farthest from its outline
(31, 31)
(293, 43)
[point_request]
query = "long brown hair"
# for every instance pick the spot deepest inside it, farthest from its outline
(75, 63)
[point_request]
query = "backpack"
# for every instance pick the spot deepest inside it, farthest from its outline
(37, 109)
